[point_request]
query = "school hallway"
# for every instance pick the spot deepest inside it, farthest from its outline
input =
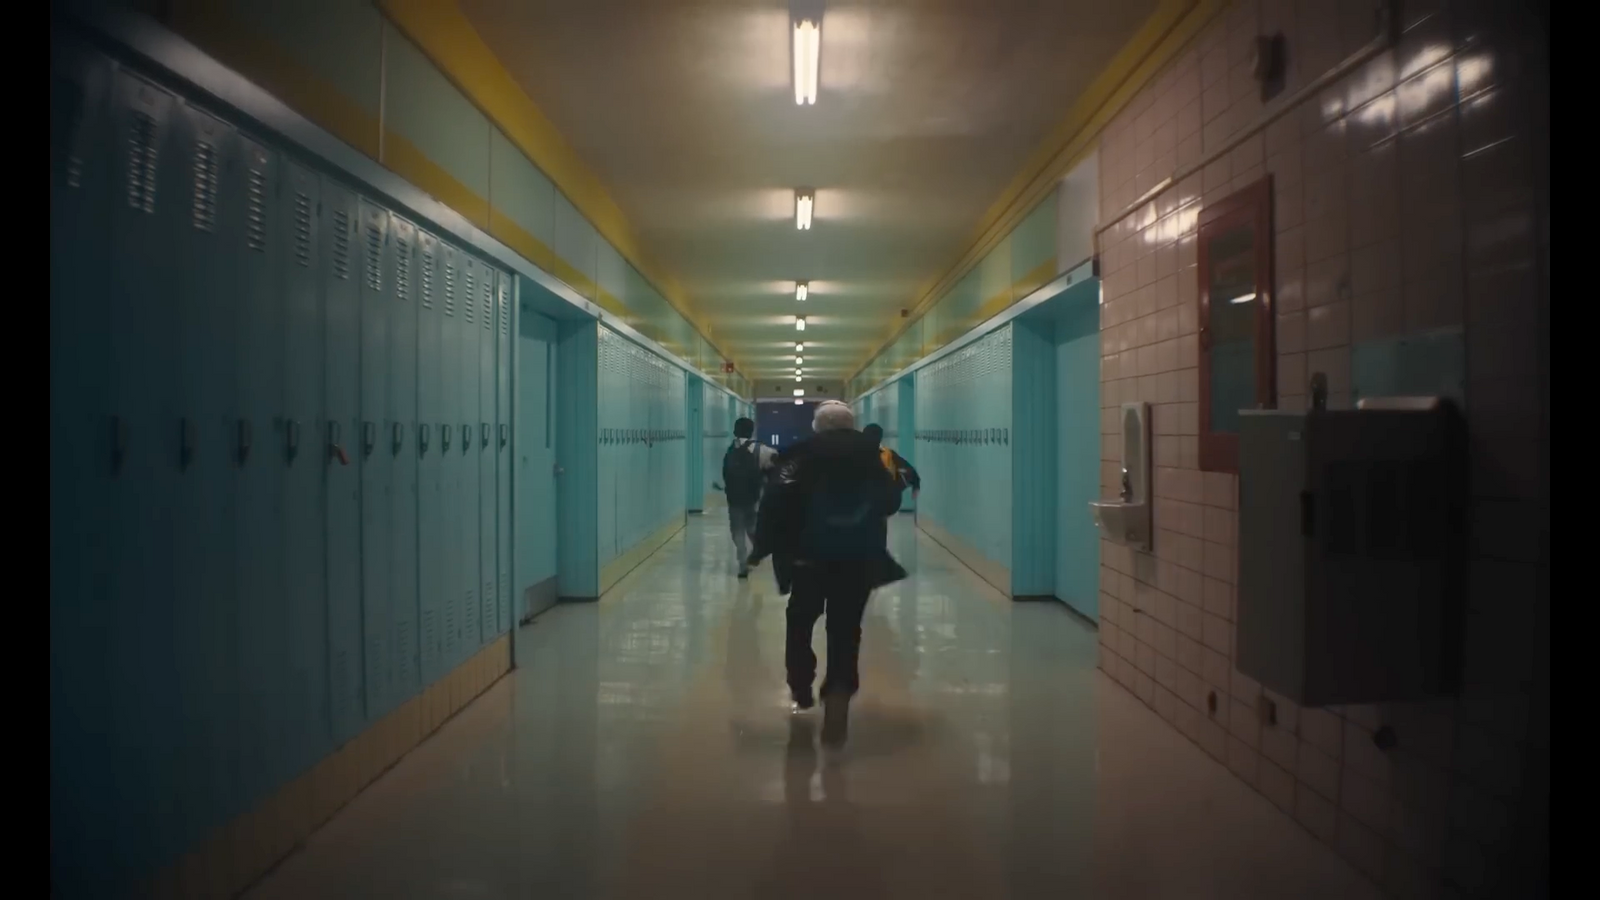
(644, 747)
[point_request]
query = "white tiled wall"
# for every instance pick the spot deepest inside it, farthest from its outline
(1411, 195)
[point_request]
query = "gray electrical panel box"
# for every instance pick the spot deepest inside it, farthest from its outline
(1351, 551)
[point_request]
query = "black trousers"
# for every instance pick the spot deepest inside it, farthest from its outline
(840, 592)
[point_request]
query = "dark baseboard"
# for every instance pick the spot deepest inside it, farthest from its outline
(538, 598)
(1071, 610)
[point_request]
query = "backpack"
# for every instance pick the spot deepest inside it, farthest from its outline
(741, 474)
(843, 521)
(886, 456)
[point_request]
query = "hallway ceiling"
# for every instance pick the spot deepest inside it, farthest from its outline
(685, 110)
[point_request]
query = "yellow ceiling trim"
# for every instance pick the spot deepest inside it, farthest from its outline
(1166, 32)
(448, 39)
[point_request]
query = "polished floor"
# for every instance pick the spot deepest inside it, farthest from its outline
(644, 749)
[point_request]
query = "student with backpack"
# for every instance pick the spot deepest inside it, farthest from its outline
(744, 468)
(826, 513)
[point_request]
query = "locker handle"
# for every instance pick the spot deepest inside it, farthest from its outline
(335, 448)
(483, 429)
(1307, 513)
(505, 434)
(444, 437)
(245, 436)
(399, 438)
(466, 436)
(369, 437)
(422, 439)
(119, 443)
(186, 442)
(291, 439)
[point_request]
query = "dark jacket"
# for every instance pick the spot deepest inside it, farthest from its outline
(909, 474)
(782, 516)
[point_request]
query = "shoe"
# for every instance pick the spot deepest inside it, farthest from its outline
(835, 720)
(803, 700)
(745, 574)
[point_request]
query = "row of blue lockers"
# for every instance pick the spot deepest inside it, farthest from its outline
(280, 464)
(963, 452)
(642, 441)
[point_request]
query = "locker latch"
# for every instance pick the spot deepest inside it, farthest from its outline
(505, 434)
(186, 442)
(244, 441)
(335, 447)
(483, 430)
(444, 438)
(399, 439)
(422, 439)
(119, 443)
(466, 436)
(291, 439)
(369, 437)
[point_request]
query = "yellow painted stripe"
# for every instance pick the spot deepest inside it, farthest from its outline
(409, 162)
(1157, 42)
(210, 27)
(448, 39)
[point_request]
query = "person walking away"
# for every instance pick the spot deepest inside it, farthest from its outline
(744, 468)
(905, 475)
(827, 510)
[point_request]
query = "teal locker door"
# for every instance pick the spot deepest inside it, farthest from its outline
(86, 454)
(467, 559)
(430, 496)
(304, 459)
(339, 446)
(206, 617)
(504, 448)
(377, 277)
(450, 459)
(400, 446)
(488, 339)
(144, 327)
(610, 445)
(263, 702)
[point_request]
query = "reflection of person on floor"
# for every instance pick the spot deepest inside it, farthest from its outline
(827, 509)
(743, 668)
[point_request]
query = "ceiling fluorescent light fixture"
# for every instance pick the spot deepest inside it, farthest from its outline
(804, 200)
(799, 323)
(799, 402)
(797, 378)
(801, 290)
(799, 360)
(807, 53)
(799, 392)
(800, 347)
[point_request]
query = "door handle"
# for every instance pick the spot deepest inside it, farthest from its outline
(335, 448)
(186, 442)
(244, 441)
(119, 444)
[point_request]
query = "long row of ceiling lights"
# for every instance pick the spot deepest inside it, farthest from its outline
(807, 59)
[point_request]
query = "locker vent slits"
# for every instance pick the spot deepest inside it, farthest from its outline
(505, 314)
(467, 301)
(207, 176)
(402, 269)
(142, 160)
(255, 224)
(488, 305)
(427, 278)
(374, 257)
(302, 229)
(450, 289)
(341, 244)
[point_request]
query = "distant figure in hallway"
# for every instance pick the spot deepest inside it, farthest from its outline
(826, 511)
(744, 468)
(904, 474)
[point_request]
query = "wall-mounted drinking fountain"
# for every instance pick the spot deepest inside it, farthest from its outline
(1126, 520)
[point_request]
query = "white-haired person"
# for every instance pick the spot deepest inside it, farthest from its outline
(824, 519)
